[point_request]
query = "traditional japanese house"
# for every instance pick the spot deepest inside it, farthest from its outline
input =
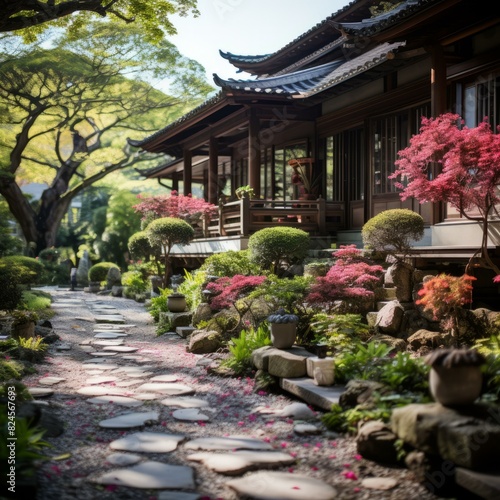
(337, 103)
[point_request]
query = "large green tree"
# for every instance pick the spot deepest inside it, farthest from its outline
(32, 17)
(67, 111)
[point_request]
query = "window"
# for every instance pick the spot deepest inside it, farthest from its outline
(345, 166)
(481, 99)
(283, 188)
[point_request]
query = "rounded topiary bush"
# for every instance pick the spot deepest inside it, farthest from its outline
(393, 231)
(274, 247)
(99, 272)
(29, 270)
(10, 291)
(139, 246)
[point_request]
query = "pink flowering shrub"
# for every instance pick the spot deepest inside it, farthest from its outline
(187, 208)
(228, 290)
(351, 280)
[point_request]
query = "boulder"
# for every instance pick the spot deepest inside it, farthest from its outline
(400, 276)
(426, 338)
(359, 392)
(390, 317)
(204, 342)
(113, 278)
(376, 441)
(202, 313)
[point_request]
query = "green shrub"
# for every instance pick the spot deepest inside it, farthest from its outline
(159, 304)
(393, 231)
(36, 300)
(10, 369)
(230, 264)
(32, 349)
(191, 287)
(134, 282)
(99, 272)
(30, 271)
(241, 348)
(10, 290)
(274, 247)
(140, 247)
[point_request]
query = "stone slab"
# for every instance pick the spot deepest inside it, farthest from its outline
(109, 335)
(240, 461)
(149, 442)
(282, 486)
(123, 459)
(190, 415)
(51, 380)
(167, 388)
(150, 475)
(316, 395)
(99, 390)
(40, 392)
(130, 420)
(120, 348)
(185, 402)
(486, 486)
(228, 443)
(116, 400)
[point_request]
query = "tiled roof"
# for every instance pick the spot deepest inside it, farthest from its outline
(290, 84)
(308, 82)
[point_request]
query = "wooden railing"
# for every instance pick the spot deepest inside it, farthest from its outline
(244, 217)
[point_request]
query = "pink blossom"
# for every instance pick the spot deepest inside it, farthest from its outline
(350, 475)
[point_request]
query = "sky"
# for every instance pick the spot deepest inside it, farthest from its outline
(246, 27)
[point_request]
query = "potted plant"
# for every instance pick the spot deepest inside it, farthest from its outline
(455, 377)
(283, 328)
(23, 324)
(176, 301)
(302, 176)
(244, 192)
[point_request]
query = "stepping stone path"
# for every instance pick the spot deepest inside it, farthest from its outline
(151, 475)
(129, 381)
(150, 442)
(241, 461)
(130, 420)
(282, 485)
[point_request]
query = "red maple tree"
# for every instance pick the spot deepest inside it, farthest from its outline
(468, 161)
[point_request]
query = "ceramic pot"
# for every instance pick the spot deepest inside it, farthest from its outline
(283, 335)
(455, 386)
(24, 331)
(176, 303)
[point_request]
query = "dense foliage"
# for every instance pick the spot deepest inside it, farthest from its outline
(393, 231)
(227, 290)
(99, 272)
(276, 247)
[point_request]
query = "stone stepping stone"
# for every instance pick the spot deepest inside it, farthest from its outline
(164, 378)
(98, 390)
(102, 365)
(107, 326)
(87, 348)
(185, 402)
(296, 411)
(228, 443)
(102, 353)
(306, 429)
(137, 358)
(63, 347)
(120, 348)
(166, 388)
(116, 400)
(190, 415)
(40, 392)
(95, 372)
(177, 495)
(106, 335)
(379, 483)
(282, 486)
(241, 461)
(101, 380)
(107, 343)
(109, 318)
(149, 442)
(137, 374)
(151, 475)
(127, 383)
(109, 330)
(146, 396)
(123, 459)
(51, 380)
(130, 420)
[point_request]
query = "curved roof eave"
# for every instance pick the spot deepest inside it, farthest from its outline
(192, 115)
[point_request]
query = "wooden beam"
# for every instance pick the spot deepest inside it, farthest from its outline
(254, 153)
(213, 162)
(188, 171)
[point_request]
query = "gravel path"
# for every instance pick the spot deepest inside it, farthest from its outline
(233, 410)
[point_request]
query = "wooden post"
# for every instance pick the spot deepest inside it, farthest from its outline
(213, 162)
(245, 215)
(438, 106)
(188, 171)
(322, 216)
(254, 153)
